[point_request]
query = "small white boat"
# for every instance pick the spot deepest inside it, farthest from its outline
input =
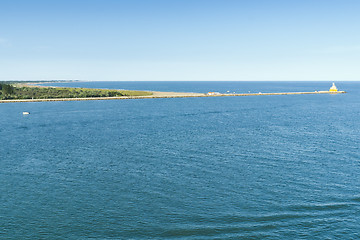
(26, 113)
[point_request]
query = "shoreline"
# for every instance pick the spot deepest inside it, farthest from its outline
(165, 95)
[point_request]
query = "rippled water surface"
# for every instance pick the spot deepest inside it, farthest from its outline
(256, 167)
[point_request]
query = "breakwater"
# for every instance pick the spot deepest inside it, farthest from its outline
(167, 95)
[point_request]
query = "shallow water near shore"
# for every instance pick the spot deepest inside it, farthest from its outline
(259, 167)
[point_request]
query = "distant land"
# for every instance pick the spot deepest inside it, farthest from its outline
(20, 91)
(35, 81)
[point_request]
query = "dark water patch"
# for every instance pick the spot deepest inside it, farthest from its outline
(23, 127)
(321, 207)
(278, 218)
(356, 199)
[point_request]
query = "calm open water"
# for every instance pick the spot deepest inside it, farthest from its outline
(256, 167)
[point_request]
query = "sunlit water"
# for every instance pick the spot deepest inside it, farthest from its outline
(258, 167)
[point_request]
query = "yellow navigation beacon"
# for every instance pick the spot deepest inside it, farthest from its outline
(333, 88)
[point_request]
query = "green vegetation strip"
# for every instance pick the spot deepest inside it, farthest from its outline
(8, 92)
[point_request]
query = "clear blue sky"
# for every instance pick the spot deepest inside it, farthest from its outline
(116, 40)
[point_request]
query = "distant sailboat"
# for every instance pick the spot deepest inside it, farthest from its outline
(26, 113)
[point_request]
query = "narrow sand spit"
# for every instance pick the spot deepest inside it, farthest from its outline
(175, 94)
(166, 95)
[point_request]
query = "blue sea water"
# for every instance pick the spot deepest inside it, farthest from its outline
(255, 167)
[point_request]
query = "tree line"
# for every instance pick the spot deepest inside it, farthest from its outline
(8, 91)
